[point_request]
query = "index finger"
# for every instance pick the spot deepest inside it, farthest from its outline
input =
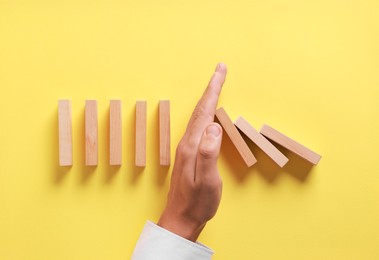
(205, 109)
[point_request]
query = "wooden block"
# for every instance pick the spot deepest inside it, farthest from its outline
(164, 132)
(91, 133)
(115, 132)
(140, 144)
(235, 137)
(65, 132)
(261, 142)
(290, 144)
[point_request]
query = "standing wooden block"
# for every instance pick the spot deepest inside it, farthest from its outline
(261, 142)
(115, 132)
(164, 132)
(140, 144)
(235, 137)
(290, 144)
(65, 132)
(91, 133)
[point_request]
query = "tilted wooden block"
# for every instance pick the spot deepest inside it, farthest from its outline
(91, 132)
(140, 143)
(261, 141)
(115, 132)
(65, 132)
(235, 137)
(164, 133)
(290, 144)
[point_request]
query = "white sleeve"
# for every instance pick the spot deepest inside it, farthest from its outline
(158, 243)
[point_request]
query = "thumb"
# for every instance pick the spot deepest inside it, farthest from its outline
(208, 152)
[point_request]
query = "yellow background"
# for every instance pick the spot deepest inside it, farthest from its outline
(308, 68)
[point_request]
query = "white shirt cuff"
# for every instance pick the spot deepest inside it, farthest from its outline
(158, 243)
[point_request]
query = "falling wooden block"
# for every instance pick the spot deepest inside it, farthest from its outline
(140, 144)
(261, 141)
(65, 132)
(91, 133)
(164, 132)
(235, 137)
(290, 144)
(115, 133)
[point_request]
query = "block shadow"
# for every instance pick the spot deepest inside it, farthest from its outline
(162, 175)
(296, 166)
(136, 174)
(233, 159)
(265, 166)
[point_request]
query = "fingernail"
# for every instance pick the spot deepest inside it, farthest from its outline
(220, 67)
(213, 130)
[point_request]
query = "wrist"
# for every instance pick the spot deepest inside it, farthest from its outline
(181, 226)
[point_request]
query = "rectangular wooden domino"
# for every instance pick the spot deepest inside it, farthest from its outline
(115, 133)
(140, 143)
(235, 137)
(65, 132)
(91, 132)
(164, 133)
(261, 141)
(290, 144)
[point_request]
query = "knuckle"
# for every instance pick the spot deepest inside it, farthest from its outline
(185, 149)
(179, 148)
(214, 183)
(207, 151)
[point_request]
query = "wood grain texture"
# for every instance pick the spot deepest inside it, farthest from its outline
(65, 132)
(141, 125)
(290, 144)
(91, 132)
(164, 133)
(235, 137)
(115, 133)
(267, 147)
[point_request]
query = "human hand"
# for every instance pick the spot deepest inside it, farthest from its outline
(196, 186)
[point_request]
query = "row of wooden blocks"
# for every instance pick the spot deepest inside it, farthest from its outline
(115, 133)
(261, 139)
